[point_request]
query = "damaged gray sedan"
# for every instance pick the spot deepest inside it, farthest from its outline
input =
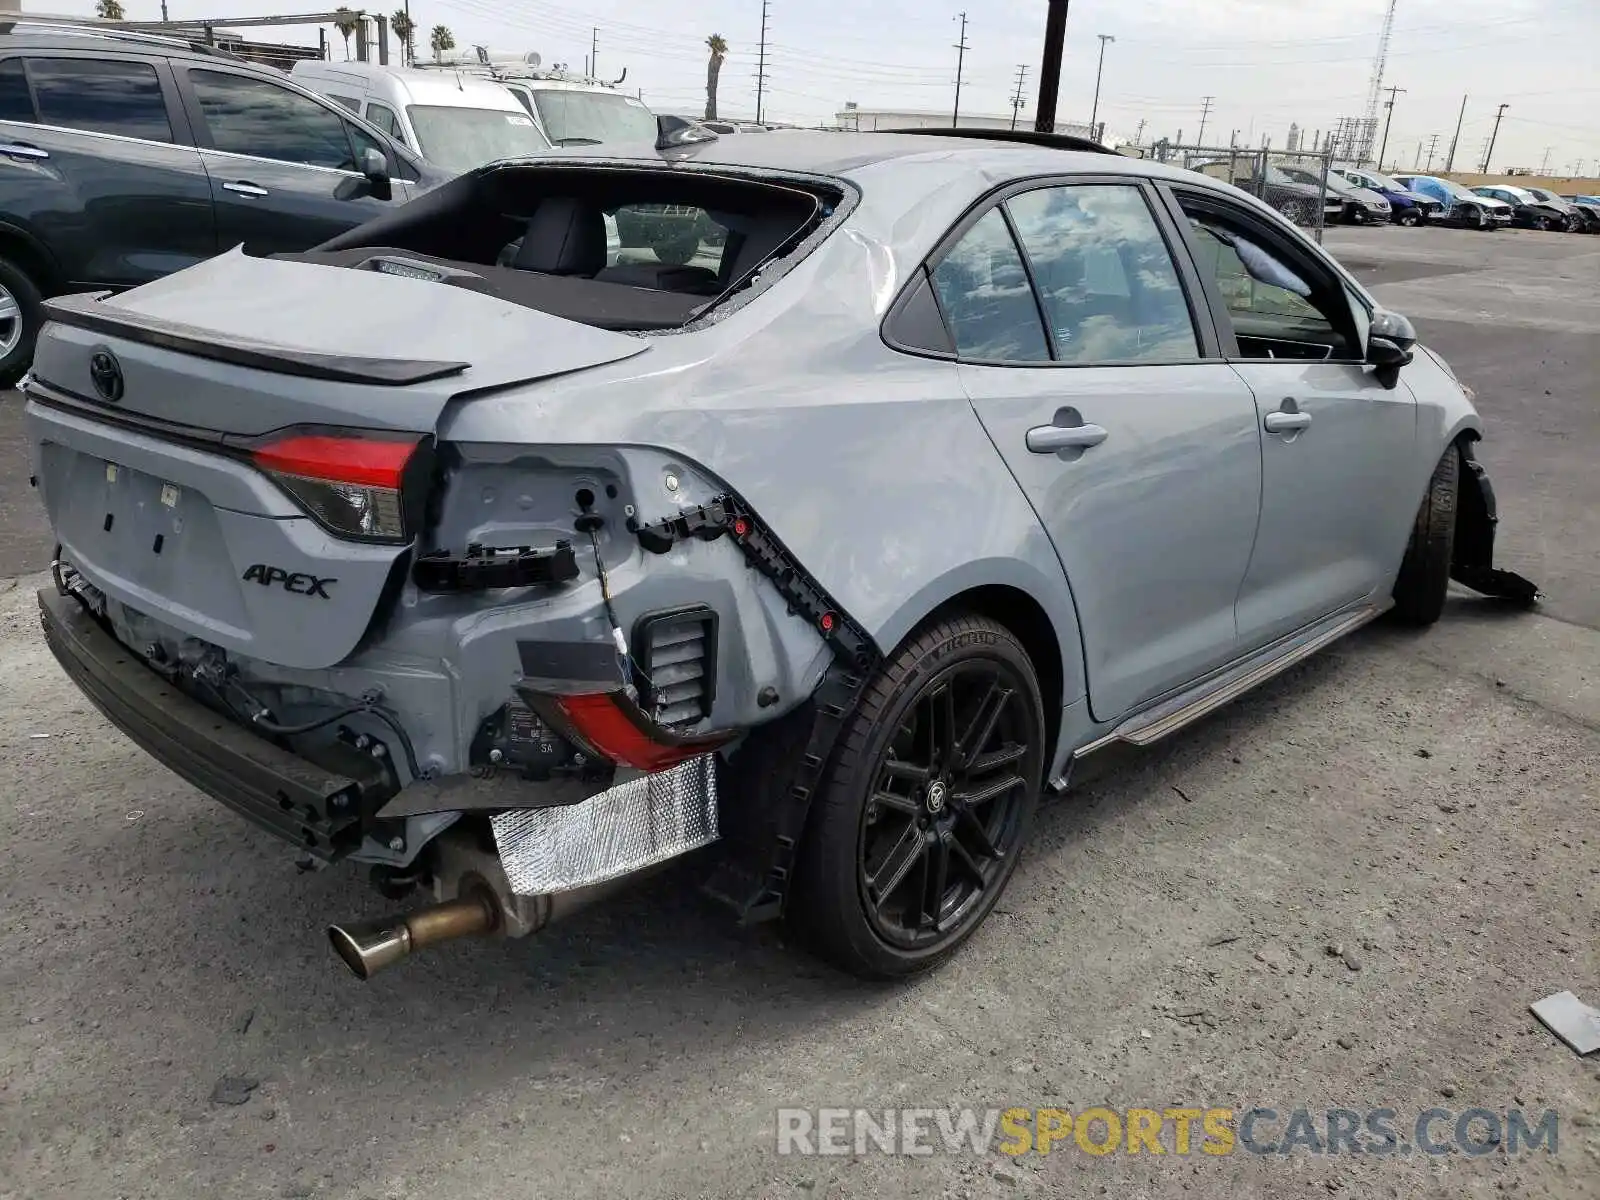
(496, 554)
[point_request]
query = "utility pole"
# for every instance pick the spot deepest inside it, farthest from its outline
(1489, 153)
(1055, 36)
(1544, 167)
(961, 58)
(761, 61)
(594, 52)
(1099, 71)
(1416, 164)
(1138, 138)
(1450, 162)
(1205, 111)
(1016, 100)
(1433, 146)
(1388, 118)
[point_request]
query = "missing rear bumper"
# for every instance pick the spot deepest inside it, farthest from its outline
(1477, 518)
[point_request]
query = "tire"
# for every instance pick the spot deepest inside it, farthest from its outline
(1419, 589)
(882, 822)
(1358, 216)
(678, 249)
(1480, 219)
(1543, 224)
(1410, 218)
(21, 315)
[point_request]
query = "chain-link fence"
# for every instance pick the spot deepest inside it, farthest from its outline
(1295, 182)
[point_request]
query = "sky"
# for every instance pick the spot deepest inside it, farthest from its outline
(1267, 63)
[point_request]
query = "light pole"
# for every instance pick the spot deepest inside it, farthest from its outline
(1101, 70)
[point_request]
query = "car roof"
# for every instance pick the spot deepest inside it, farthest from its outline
(851, 155)
(420, 87)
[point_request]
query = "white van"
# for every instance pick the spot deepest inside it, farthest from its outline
(570, 110)
(452, 119)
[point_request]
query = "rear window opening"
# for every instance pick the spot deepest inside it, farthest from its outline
(618, 247)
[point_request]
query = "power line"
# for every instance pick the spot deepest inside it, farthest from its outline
(961, 58)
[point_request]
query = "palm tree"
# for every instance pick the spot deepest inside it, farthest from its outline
(109, 10)
(346, 22)
(441, 39)
(405, 29)
(719, 51)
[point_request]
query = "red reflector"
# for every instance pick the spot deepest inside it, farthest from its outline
(600, 721)
(368, 462)
(740, 527)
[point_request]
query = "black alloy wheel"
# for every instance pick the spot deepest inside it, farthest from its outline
(945, 814)
(921, 818)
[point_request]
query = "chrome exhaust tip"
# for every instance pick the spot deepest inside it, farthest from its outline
(368, 947)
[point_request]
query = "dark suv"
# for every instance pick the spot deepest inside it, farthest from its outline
(124, 157)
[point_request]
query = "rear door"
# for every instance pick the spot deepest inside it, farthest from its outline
(284, 167)
(97, 163)
(1338, 487)
(1136, 445)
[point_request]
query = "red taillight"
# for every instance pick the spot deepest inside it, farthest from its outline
(350, 484)
(364, 461)
(602, 722)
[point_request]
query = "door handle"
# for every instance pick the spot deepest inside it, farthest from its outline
(244, 188)
(1286, 422)
(1050, 439)
(22, 150)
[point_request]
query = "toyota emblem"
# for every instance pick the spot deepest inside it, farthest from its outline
(105, 372)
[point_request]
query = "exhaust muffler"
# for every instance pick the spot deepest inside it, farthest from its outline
(367, 947)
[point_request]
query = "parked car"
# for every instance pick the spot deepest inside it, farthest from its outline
(1406, 207)
(1295, 199)
(570, 110)
(455, 123)
(1589, 208)
(1577, 220)
(124, 157)
(1527, 210)
(1462, 207)
(1358, 205)
(509, 582)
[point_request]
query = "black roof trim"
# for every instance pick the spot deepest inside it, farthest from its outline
(86, 311)
(62, 36)
(1026, 137)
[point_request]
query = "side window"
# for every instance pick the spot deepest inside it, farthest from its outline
(1107, 280)
(101, 95)
(16, 102)
(1276, 310)
(345, 102)
(363, 141)
(258, 118)
(384, 118)
(983, 289)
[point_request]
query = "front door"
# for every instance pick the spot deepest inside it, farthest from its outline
(1138, 451)
(285, 168)
(1338, 486)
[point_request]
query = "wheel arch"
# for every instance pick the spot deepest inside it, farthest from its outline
(30, 254)
(1035, 606)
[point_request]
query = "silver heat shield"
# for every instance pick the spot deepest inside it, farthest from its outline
(624, 829)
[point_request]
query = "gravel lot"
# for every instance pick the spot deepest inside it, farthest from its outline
(1424, 804)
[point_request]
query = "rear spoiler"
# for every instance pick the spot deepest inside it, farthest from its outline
(87, 310)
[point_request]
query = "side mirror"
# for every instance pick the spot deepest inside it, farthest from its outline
(374, 166)
(1389, 346)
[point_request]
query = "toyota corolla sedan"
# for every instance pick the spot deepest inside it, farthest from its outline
(461, 550)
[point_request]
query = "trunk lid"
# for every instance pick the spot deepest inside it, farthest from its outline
(140, 406)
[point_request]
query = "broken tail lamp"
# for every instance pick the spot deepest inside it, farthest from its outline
(610, 725)
(352, 484)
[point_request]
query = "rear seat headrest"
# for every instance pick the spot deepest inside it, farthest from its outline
(566, 236)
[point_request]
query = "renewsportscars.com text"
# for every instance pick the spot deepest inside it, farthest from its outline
(1180, 1131)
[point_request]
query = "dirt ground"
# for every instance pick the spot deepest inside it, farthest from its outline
(1422, 805)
